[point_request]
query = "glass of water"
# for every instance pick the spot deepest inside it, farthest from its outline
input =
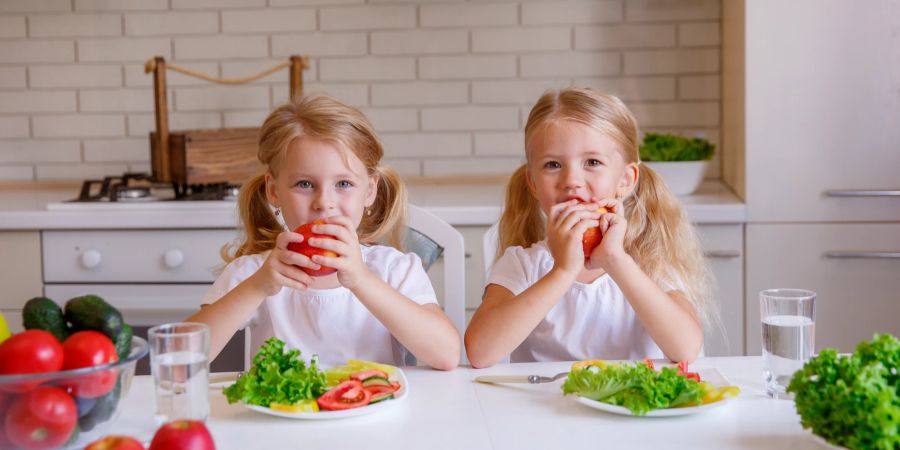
(179, 362)
(788, 335)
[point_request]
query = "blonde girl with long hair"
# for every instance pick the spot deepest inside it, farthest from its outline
(642, 292)
(322, 163)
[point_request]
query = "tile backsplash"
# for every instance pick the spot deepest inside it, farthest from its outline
(448, 84)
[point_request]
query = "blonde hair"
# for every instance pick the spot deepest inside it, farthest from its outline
(321, 117)
(660, 237)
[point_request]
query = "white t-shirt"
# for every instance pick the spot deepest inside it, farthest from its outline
(332, 323)
(591, 321)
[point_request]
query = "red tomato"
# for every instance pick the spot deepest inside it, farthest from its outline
(31, 351)
(349, 394)
(591, 238)
(115, 443)
(182, 435)
(305, 249)
(89, 349)
(41, 419)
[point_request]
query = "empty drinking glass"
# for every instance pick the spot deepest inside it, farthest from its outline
(179, 361)
(788, 335)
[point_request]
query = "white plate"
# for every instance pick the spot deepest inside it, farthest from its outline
(399, 396)
(825, 444)
(711, 375)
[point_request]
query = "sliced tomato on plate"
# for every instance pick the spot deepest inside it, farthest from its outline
(380, 392)
(347, 395)
(683, 371)
(366, 374)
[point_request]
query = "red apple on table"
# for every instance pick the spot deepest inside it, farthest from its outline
(182, 435)
(305, 249)
(115, 443)
(591, 238)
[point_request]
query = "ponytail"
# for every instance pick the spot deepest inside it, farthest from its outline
(385, 220)
(522, 222)
(260, 225)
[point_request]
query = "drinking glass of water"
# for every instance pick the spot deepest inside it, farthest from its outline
(788, 335)
(179, 362)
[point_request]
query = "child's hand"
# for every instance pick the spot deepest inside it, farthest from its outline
(280, 269)
(613, 227)
(349, 263)
(566, 225)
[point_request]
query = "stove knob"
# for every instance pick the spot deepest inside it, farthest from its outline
(90, 259)
(173, 258)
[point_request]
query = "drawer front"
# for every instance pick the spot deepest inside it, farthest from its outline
(723, 246)
(856, 289)
(150, 304)
(133, 256)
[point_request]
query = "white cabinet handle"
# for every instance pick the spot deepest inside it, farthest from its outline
(863, 255)
(722, 254)
(173, 258)
(862, 193)
(90, 259)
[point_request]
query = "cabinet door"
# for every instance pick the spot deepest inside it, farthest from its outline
(20, 273)
(849, 267)
(822, 110)
(723, 246)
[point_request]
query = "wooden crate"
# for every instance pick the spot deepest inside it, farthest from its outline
(210, 155)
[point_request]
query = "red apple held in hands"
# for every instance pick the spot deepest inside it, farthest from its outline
(591, 238)
(115, 443)
(182, 435)
(305, 249)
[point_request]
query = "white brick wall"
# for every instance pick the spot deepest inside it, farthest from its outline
(447, 83)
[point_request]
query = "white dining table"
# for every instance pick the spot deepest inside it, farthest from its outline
(449, 410)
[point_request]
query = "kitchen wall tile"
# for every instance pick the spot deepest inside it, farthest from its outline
(14, 127)
(624, 36)
(35, 151)
(548, 65)
(463, 166)
(356, 94)
(78, 125)
(704, 87)
(75, 75)
(77, 171)
(420, 93)
(130, 49)
(141, 124)
(118, 100)
(207, 4)
(367, 17)
(668, 10)
(699, 34)
(521, 39)
(405, 167)
(121, 5)
(171, 23)
(367, 69)
(671, 61)
(571, 12)
(12, 77)
(426, 145)
(500, 144)
(424, 42)
(250, 119)
(17, 173)
(470, 118)
(13, 6)
(468, 15)
(136, 77)
(633, 88)
(12, 26)
(268, 20)
(313, 2)
(513, 91)
(59, 25)
(117, 150)
(320, 44)
(385, 119)
(221, 47)
(19, 51)
(36, 101)
(676, 114)
(467, 67)
(219, 98)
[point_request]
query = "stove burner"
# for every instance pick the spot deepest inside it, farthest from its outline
(139, 187)
(132, 194)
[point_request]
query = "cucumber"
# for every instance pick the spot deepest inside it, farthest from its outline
(376, 381)
(41, 313)
(90, 312)
(123, 341)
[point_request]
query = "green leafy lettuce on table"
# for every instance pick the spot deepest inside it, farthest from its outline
(853, 401)
(634, 386)
(277, 376)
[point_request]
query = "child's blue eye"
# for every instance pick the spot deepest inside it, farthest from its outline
(305, 184)
(594, 162)
(344, 184)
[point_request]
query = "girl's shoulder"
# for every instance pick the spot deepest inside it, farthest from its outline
(383, 258)
(537, 253)
(246, 265)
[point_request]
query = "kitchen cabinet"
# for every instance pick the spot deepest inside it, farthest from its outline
(20, 273)
(816, 108)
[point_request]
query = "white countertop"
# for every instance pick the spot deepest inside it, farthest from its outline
(458, 204)
(447, 410)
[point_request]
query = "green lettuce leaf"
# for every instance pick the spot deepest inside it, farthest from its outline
(277, 376)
